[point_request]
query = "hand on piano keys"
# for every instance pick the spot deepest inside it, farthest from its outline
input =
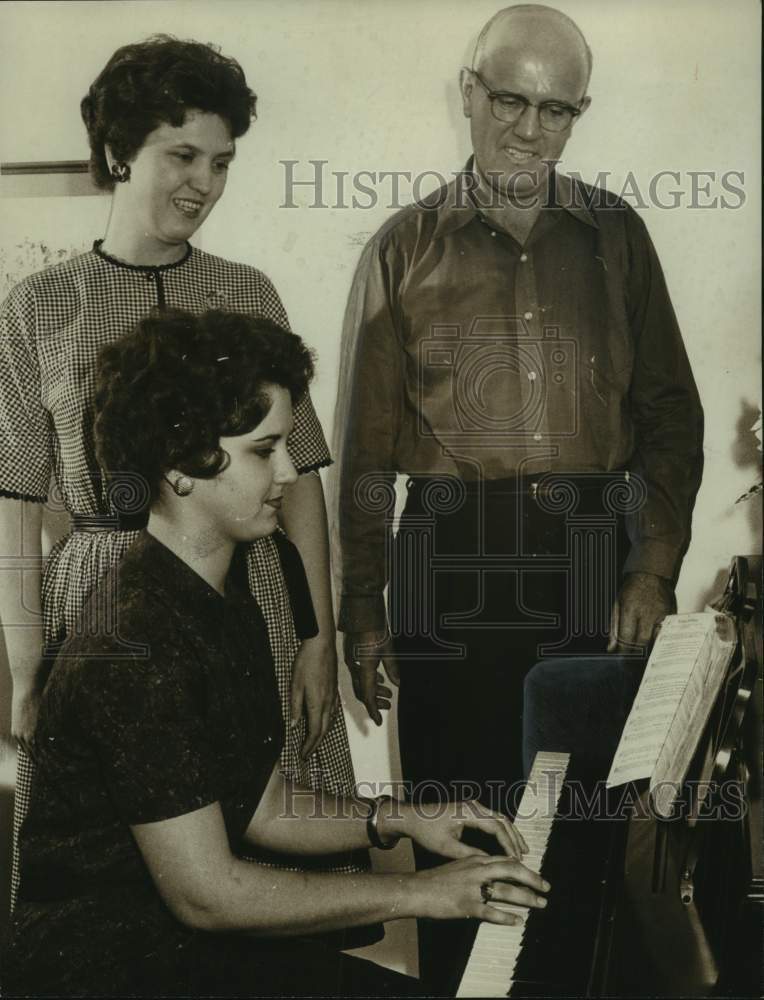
(441, 834)
(491, 967)
(482, 887)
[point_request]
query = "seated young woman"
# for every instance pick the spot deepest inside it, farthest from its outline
(160, 730)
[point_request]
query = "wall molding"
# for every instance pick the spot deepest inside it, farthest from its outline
(44, 167)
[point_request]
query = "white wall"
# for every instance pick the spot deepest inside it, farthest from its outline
(372, 85)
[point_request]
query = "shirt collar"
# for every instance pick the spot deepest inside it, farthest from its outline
(453, 204)
(456, 207)
(571, 195)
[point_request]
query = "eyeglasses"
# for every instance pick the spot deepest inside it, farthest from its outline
(507, 107)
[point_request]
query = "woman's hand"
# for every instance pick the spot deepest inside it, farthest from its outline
(442, 833)
(22, 519)
(314, 690)
(471, 888)
(25, 706)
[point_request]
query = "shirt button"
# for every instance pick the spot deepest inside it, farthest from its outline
(493, 233)
(531, 376)
(536, 437)
(528, 315)
(523, 257)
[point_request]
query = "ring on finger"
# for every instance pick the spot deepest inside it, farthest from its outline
(486, 891)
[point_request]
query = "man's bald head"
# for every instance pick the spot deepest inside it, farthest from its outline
(533, 28)
(523, 95)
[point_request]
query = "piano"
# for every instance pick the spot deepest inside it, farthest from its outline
(715, 844)
(708, 878)
(564, 949)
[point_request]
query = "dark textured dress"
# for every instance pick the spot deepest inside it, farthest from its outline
(185, 715)
(52, 326)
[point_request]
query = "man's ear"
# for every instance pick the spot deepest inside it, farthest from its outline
(585, 105)
(466, 85)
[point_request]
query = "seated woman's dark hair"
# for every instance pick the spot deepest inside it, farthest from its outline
(169, 390)
(158, 81)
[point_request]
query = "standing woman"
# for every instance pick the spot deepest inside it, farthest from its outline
(162, 118)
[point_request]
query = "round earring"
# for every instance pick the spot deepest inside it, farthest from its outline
(183, 486)
(120, 172)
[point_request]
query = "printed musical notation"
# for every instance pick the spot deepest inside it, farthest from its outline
(680, 684)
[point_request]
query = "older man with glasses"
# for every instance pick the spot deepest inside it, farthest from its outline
(511, 347)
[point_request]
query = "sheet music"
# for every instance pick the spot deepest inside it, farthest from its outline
(680, 684)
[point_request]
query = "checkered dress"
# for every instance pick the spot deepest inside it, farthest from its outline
(52, 326)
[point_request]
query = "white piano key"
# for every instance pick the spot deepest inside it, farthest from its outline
(489, 986)
(497, 947)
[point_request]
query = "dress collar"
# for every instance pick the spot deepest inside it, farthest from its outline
(187, 590)
(140, 267)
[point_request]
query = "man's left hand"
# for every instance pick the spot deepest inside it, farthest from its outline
(314, 690)
(643, 601)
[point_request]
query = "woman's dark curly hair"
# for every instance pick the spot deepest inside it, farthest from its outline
(158, 81)
(169, 390)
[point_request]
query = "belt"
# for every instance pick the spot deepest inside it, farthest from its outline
(537, 486)
(108, 522)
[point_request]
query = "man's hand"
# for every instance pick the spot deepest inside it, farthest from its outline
(314, 690)
(363, 652)
(643, 601)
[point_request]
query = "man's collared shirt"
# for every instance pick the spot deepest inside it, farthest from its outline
(480, 358)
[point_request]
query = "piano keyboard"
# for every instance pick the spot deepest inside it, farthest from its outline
(497, 947)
